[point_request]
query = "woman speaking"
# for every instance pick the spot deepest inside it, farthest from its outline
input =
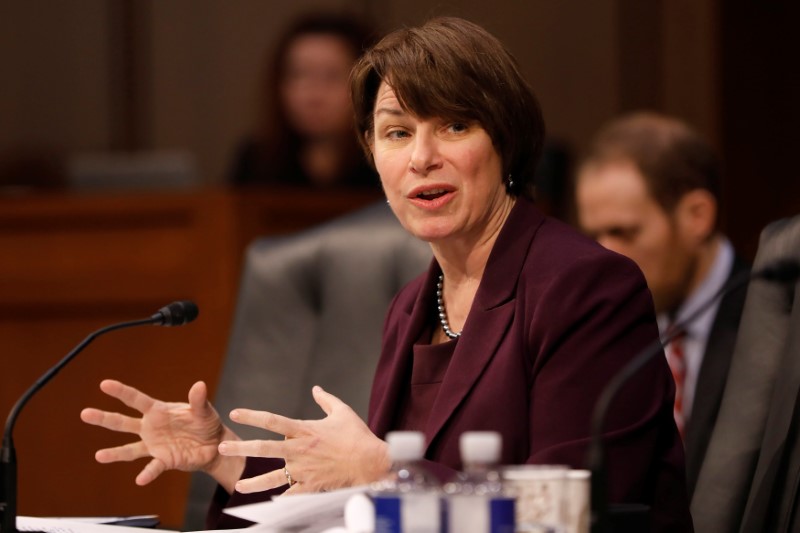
(516, 327)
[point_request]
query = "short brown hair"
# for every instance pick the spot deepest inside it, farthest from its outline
(454, 69)
(671, 156)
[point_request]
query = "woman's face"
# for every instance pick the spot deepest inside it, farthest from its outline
(442, 179)
(315, 89)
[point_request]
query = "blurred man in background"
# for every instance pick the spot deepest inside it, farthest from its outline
(649, 189)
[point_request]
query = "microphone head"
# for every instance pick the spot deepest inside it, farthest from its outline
(176, 313)
(781, 271)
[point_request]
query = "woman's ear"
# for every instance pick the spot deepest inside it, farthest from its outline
(369, 140)
(697, 214)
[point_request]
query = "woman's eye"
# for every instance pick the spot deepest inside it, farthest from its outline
(458, 127)
(397, 134)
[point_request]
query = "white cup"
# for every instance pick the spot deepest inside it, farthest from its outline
(577, 513)
(540, 492)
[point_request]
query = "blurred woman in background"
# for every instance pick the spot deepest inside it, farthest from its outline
(305, 135)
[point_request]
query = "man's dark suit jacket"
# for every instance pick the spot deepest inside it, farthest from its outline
(712, 377)
(555, 317)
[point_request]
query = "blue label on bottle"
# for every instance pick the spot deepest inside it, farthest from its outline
(387, 514)
(419, 512)
(501, 511)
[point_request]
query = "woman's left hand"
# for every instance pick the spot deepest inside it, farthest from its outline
(336, 451)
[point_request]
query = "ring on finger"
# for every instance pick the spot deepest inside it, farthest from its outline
(288, 476)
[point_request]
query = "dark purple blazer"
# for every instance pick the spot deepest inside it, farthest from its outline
(554, 318)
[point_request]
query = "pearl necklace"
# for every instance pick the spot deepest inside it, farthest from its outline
(442, 313)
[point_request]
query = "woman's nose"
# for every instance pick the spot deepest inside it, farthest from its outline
(425, 156)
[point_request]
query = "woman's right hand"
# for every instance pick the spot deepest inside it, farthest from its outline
(176, 436)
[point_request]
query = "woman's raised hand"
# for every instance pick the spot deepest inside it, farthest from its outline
(336, 451)
(175, 436)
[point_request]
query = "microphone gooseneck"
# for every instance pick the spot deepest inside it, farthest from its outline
(174, 314)
(781, 271)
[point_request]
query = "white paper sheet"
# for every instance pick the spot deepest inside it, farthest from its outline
(298, 512)
(74, 525)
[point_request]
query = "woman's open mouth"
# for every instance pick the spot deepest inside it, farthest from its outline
(431, 197)
(432, 194)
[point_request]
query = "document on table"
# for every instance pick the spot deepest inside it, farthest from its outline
(298, 512)
(98, 524)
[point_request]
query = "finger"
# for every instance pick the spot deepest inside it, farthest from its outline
(326, 400)
(255, 448)
(111, 421)
(126, 394)
(198, 398)
(128, 452)
(152, 470)
(271, 480)
(266, 420)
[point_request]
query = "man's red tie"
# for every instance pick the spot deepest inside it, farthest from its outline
(676, 358)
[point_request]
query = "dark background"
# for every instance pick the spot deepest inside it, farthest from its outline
(184, 75)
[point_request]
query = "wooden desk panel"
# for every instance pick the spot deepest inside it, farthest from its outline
(72, 264)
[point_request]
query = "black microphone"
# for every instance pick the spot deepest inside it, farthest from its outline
(781, 271)
(174, 314)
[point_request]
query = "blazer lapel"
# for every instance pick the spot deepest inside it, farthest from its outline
(490, 316)
(474, 352)
(712, 377)
(393, 379)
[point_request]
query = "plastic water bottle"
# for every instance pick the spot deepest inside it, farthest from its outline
(475, 499)
(408, 499)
